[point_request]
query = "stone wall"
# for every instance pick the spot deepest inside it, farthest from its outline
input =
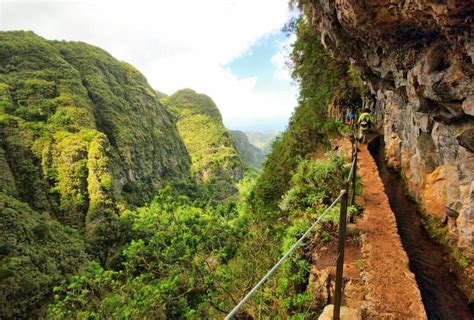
(416, 58)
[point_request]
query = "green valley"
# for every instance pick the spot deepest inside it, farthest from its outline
(120, 201)
(127, 197)
(263, 140)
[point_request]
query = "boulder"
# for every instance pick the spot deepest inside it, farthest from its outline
(345, 314)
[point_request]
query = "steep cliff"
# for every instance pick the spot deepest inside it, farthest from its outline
(417, 59)
(250, 154)
(81, 132)
(215, 160)
(82, 136)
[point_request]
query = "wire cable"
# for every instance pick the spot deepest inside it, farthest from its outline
(282, 259)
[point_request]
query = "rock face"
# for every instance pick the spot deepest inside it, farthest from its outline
(417, 59)
(345, 313)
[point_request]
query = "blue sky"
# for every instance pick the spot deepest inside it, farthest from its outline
(261, 61)
(231, 50)
(258, 61)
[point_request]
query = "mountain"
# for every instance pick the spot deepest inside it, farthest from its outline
(215, 160)
(81, 129)
(263, 140)
(250, 154)
(82, 137)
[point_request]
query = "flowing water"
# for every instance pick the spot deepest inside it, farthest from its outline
(438, 286)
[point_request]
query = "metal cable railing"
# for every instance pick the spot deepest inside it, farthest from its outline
(350, 182)
(290, 251)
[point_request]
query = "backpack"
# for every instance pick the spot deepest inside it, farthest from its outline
(365, 121)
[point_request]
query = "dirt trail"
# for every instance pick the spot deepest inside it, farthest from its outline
(392, 289)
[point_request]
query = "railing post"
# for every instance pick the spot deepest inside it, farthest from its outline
(354, 180)
(340, 252)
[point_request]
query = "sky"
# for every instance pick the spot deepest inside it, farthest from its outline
(232, 50)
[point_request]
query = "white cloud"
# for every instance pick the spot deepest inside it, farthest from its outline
(176, 44)
(280, 59)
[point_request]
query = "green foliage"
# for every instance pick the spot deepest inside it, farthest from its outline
(76, 128)
(36, 253)
(7, 182)
(215, 160)
(308, 128)
(182, 258)
(321, 80)
(167, 266)
(314, 183)
(314, 186)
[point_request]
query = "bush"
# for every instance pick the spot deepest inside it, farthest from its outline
(36, 254)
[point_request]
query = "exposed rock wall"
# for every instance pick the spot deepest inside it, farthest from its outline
(417, 59)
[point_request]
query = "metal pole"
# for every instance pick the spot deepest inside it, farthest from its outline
(354, 180)
(340, 252)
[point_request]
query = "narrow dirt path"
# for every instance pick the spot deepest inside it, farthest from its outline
(392, 289)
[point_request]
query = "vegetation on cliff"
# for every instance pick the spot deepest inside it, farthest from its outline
(309, 128)
(36, 253)
(250, 154)
(215, 160)
(82, 136)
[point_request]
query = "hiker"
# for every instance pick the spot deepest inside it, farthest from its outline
(351, 117)
(365, 122)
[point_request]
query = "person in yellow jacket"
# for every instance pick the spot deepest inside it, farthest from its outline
(365, 122)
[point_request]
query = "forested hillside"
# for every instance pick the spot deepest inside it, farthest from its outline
(85, 138)
(215, 160)
(250, 154)
(184, 257)
(82, 136)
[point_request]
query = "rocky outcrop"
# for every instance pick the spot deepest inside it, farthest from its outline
(416, 58)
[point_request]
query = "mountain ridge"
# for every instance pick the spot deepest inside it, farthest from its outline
(249, 153)
(213, 152)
